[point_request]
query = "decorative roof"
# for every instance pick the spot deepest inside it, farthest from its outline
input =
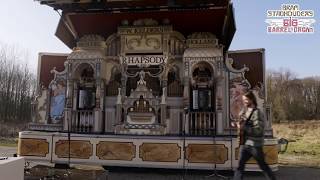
(104, 17)
(126, 5)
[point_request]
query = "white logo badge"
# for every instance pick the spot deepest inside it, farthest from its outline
(290, 20)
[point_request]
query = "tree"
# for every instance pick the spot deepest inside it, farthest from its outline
(17, 86)
(293, 98)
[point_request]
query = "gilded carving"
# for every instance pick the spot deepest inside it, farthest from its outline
(144, 30)
(33, 147)
(176, 46)
(160, 152)
(143, 43)
(229, 63)
(116, 150)
(270, 152)
(202, 39)
(91, 41)
(113, 46)
(207, 153)
(78, 149)
(40, 105)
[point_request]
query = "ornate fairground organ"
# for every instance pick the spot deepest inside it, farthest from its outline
(147, 84)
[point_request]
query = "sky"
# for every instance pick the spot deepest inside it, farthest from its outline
(29, 26)
(297, 52)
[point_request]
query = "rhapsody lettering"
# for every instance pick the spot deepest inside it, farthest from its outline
(290, 20)
(150, 60)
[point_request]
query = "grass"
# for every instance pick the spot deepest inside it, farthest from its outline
(304, 142)
(9, 142)
(9, 131)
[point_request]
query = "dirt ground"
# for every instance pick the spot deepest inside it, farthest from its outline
(285, 172)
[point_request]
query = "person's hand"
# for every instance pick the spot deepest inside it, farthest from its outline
(235, 124)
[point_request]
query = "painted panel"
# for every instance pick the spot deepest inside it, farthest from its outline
(207, 153)
(107, 150)
(238, 87)
(270, 152)
(47, 63)
(155, 152)
(57, 100)
(160, 152)
(253, 59)
(248, 75)
(78, 149)
(33, 147)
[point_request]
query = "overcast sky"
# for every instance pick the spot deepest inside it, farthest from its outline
(30, 26)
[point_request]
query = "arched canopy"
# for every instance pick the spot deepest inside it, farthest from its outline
(84, 70)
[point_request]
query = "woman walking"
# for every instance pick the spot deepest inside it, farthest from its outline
(251, 137)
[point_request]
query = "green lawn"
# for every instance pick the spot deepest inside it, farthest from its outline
(10, 142)
(304, 142)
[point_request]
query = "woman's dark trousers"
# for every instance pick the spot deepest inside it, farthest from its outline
(256, 152)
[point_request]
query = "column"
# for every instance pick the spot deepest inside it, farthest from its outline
(118, 107)
(186, 84)
(220, 119)
(123, 85)
(98, 121)
(163, 106)
(186, 92)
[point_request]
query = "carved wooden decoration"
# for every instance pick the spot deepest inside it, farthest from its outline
(270, 152)
(33, 147)
(160, 152)
(78, 149)
(107, 150)
(143, 43)
(207, 153)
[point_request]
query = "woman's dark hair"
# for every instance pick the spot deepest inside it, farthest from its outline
(252, 97)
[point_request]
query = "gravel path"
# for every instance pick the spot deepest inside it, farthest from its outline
(284, 173)
(7, 151)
